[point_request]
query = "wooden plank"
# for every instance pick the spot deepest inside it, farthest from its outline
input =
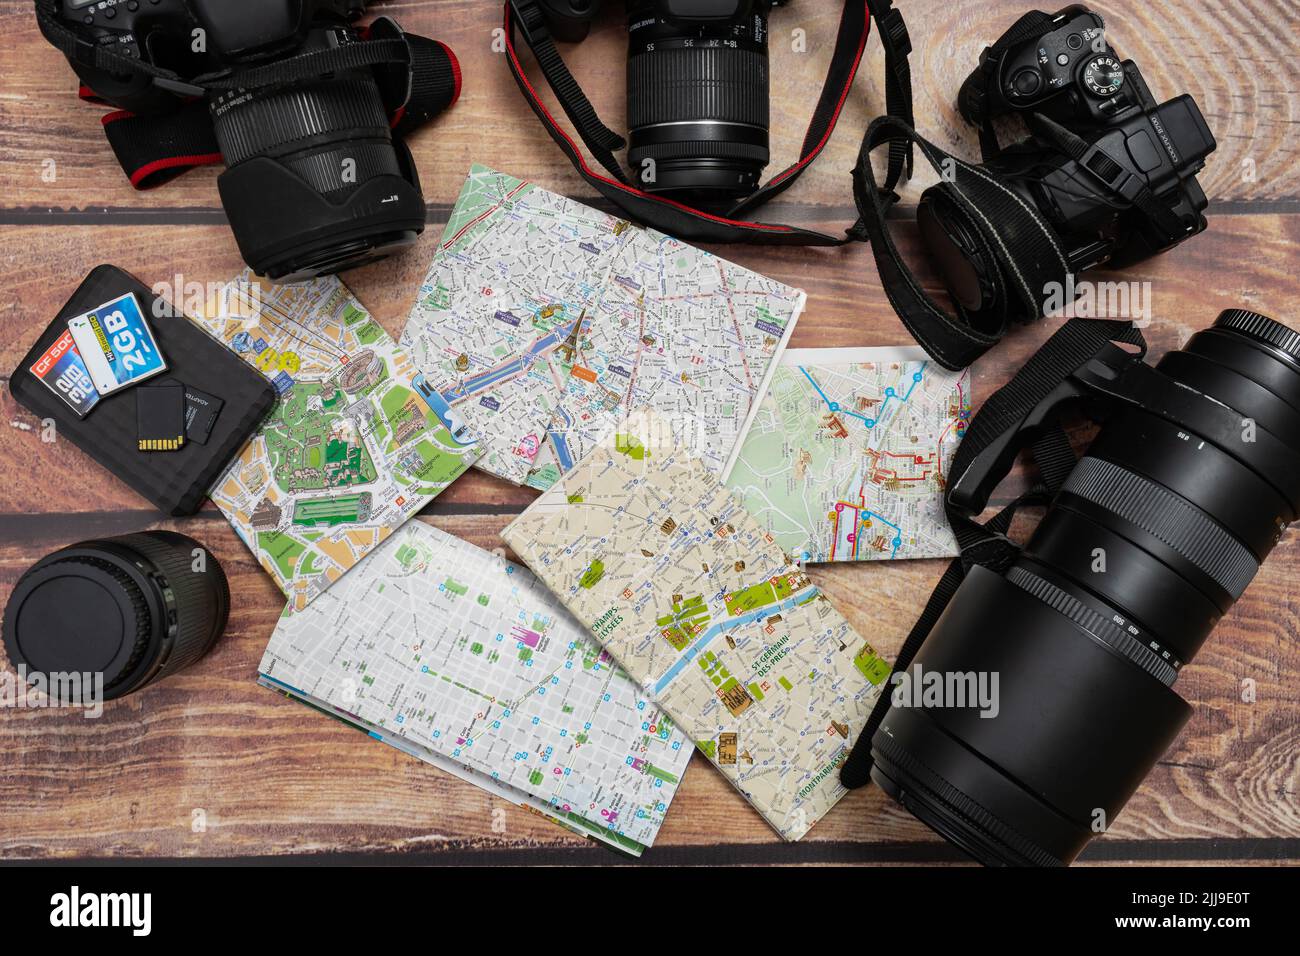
(1237, 67)
(1187, 289)
(274, 777)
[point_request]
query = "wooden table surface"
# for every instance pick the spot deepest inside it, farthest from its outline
(272, 779)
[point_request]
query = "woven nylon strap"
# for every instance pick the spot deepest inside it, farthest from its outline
(987, 545)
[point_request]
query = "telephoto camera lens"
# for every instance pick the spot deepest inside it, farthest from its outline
(1182, 514)
(698, 100)
(134, 609)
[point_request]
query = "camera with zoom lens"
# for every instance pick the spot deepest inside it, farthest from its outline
(698, 92)
(1191, 480)
(1110, 171)
(299, 102)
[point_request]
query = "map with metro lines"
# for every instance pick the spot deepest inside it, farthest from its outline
(355, 445)
(847, 455)
(544, 322)
(457, 656)
(701, 607)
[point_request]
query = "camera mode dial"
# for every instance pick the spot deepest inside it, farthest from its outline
(1103, 75)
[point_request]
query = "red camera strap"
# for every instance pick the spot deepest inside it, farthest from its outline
(526, 17)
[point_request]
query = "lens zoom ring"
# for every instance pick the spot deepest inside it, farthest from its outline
(1168, 517)
(268, 121)
(1095, 624)
(675, 86)
(1263, 328)
(198, 595)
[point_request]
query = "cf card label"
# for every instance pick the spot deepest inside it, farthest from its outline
(64, 373)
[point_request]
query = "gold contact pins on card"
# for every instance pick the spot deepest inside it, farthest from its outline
(162, 444)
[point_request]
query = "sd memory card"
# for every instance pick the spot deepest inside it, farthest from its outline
(160, 416)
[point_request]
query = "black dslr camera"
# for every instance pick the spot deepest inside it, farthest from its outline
(306, 110)
(697, 91)
(1110, 170)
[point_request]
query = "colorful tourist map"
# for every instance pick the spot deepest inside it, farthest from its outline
(356, 444)
(700, 606)
(460, 658)
(544, 322)
(847, 456)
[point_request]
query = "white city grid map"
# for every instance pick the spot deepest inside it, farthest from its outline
(448, 651)
(848, 454)
(544, 322)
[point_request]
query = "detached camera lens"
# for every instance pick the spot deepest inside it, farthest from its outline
(129, 610)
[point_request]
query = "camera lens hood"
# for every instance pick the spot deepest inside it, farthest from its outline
(1074, 729)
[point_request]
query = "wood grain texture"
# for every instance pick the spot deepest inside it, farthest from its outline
(1234, 57)
(274, 779)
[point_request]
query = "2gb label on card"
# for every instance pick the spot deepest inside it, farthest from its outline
(117, 345)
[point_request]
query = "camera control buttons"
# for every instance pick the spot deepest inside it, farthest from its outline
(1104, 75)
(1027, 82)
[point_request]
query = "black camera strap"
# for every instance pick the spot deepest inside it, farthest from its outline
(1008, 231)
(974, 93)
(153, 150)
(527, 18)
(987, 544)
(1125, 186)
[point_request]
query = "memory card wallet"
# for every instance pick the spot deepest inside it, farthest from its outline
(175, 481)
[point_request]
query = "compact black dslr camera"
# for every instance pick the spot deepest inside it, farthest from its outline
(1111, 171)
(697, 91)
(298, 102)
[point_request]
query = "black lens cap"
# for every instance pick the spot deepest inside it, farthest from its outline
(80, 614)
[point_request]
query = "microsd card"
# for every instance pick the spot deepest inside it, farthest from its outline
(201, 413)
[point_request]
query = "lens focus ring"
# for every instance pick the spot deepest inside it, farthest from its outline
(1263, 328)
(1167, 517)
(322, 169)
(1095, 624)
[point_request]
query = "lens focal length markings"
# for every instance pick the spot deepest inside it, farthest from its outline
(698, 105)
(1121, 635)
